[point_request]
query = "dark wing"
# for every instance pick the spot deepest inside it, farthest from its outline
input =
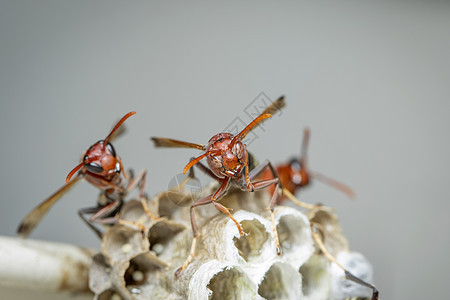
(118, 128)
(170, 143)
(119, 132)
(275, 106)
(272, 109)
(34, 217)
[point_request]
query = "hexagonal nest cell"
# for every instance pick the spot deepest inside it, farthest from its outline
(250, 245)
(164, 239)
(225, 265)
(281, 281)
(109, 295)
(315, 278)
(231, 283)
(294, 234)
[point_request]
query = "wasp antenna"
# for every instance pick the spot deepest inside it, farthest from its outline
(194, 161)
(304, 148)
(241, 135)
(105, 142)
(74, 170)
(78, 167)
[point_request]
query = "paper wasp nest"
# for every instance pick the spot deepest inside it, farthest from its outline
(226, 266)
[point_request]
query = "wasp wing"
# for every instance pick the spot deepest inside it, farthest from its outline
(117, 133)
(334, 183)
(117, 130)
(275, 106)
(170, 143)
(35, 216)
(272, 109)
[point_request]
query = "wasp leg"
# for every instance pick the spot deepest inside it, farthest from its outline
(348, 275)
(257, 185)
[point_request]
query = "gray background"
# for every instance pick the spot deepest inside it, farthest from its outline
(371, 80)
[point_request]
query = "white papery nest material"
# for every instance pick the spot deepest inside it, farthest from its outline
(133, 265)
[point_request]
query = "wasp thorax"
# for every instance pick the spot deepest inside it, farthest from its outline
(226, 161)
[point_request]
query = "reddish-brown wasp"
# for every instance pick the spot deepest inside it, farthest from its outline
(295, 174)
(102, 167)
(228, 162)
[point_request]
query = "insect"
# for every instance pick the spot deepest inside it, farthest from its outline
(228, 162)
(295, 174)
(102, 167)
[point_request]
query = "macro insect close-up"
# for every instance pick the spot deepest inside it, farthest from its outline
(228, 162)
(296, 174)
(102, 167)
(325, 193)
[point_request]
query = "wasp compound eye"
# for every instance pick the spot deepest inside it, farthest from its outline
(111, 149)
(295, 164)
(94, 168)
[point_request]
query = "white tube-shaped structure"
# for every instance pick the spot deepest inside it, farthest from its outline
(44, 266)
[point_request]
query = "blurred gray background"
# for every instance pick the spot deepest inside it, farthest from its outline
(371, 80)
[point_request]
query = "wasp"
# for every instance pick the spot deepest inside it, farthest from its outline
(227, 158)
(295, 174)
(102, 167)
